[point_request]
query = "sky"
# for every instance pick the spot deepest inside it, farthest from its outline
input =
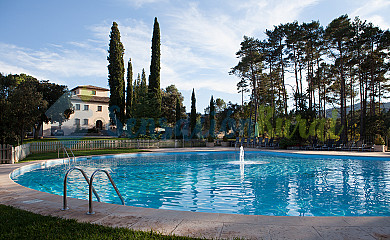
(66, 42)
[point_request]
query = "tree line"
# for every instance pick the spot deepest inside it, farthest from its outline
(139, 98)
(26, 103)
(340, 65)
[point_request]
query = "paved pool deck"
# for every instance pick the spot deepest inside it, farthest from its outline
(204, 225)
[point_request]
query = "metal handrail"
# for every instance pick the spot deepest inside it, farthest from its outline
(65, 203)
(90, 210)
(64, 147)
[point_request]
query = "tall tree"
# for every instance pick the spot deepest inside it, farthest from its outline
(26, 102)
(172, 104)
(129, 91)
(178, 110)
(249, 69)
(142, 102)
(116, 73)
(193, 111)
(212, 117)
(338, 33)
(154, 91)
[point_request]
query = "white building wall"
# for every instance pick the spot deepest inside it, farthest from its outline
(92, 115)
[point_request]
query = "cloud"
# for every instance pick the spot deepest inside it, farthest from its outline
(54, 64)
(136, 37)
(140, 3)
(201, 43)
(370, 11)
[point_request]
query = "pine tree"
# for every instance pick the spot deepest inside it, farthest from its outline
(154, 91)
(193, 112)
(116, 73)
(129, 93)
(338, 33)
(212, 117)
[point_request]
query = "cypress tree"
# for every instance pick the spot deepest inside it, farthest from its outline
(129, 93)
(193, 112)
(116, 73)
(212, 117)
(144, 87)
(136, 96)
(142, 96)
(154, 91)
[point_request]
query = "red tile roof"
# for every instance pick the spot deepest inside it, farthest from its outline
(91, 87)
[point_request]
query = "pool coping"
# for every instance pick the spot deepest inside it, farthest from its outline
(197, 224)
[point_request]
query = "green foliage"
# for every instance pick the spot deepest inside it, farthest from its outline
(178, 110)
(210, 138)
(344, 63)
(284, 143)
(116, 72)
(212, 117)
(129, 91)
(141, 101)
(379, 140)
(22, 105)
(172, 107)
(193, 115)
(154, 78)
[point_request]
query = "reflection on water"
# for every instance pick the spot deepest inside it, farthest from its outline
(208, 182)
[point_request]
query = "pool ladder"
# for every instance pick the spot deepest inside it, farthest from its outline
(65, 151)
(91, 188)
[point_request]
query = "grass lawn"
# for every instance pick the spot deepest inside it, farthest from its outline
(20, 224)
(52, 155)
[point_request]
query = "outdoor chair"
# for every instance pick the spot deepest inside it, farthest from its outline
(248, 142)
(271, 143)
(367, 147)
(259, 142)
(266, 142)
(254, 144)
(347, 146)
(357, 146)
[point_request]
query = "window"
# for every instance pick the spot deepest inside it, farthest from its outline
(74, 92)
(99, 108)
(77, 106)
(93, 92)
(85, 121)
(77, 121)
(86, 107)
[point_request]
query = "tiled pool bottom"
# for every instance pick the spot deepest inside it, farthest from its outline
(208, 225)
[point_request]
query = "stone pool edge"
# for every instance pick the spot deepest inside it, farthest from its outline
(207, 225)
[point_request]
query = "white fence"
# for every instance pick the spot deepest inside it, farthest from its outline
(9, 154)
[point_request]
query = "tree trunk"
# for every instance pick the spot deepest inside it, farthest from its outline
(37, 128)
(342, 96)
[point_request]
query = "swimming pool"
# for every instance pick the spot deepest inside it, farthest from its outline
(280, 184)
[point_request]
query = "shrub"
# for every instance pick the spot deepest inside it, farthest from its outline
(210, 139)
(225, 139)
(286, 142)
(379, 140)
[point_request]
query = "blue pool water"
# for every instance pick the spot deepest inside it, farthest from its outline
(280, 184)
